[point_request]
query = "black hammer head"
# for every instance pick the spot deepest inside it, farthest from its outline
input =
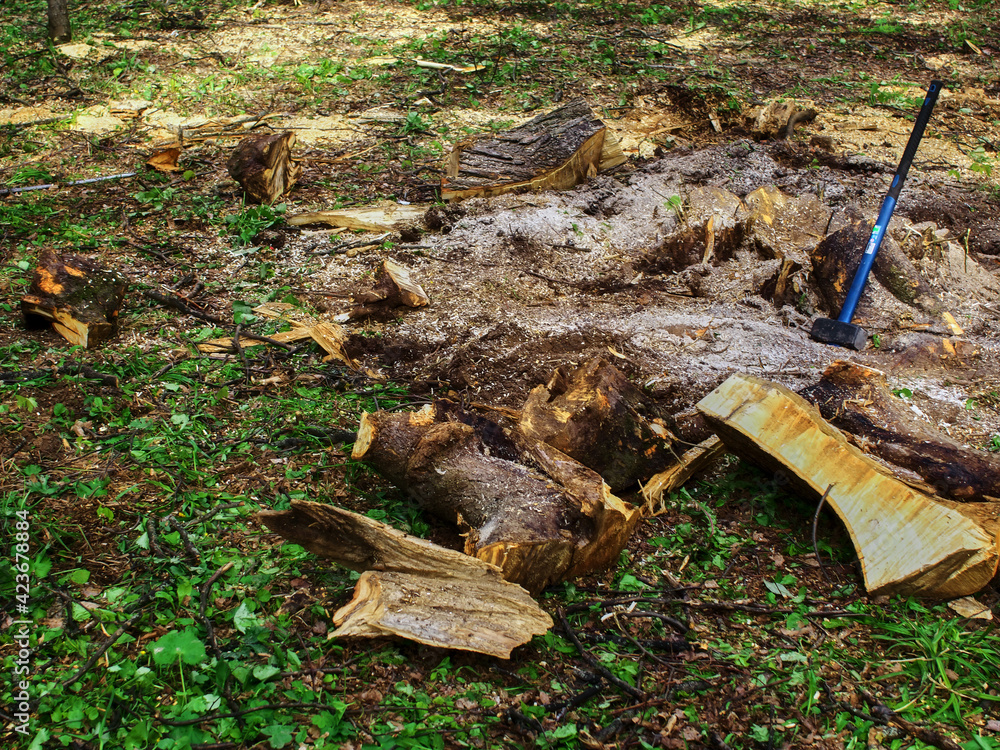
(840, 334)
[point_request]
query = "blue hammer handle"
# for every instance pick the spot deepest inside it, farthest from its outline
(888, 205)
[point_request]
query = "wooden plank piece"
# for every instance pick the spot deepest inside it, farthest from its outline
(907, 543)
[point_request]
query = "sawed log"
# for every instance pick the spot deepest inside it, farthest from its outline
(596, 416)
(554, 151)
(413, 588)
(264, 167)
(523, 505)
(907, 542)
(859, 401)
(79, 297)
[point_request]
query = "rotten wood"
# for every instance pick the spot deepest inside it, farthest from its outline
(859, 401)
(522, 505)
(412, 588)
(80, 298)
(264, 167)
(554, 151)
(907, 542)
(596, 416)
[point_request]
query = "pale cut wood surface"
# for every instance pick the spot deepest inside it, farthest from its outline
(907, 543)
(413, 588)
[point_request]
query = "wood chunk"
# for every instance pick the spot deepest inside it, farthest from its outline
(80, 298)
(858, 400)
(908, 543)
(264, 167)
(413, 588)
(394, 287)
(692, 461)
(387, 216)
(785, 226)
(595, 415)
(523, 505)
(554, 151)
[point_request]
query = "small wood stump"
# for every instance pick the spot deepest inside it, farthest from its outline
(77, 296)
(264, 167)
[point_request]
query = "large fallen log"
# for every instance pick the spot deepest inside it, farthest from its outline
(79, 297)
(859, 401)
(413, 588)
(264, 167)
(523, 505)
(554, 151)
(596, 416)
(907, 543)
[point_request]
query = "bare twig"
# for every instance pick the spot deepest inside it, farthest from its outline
(596, 665)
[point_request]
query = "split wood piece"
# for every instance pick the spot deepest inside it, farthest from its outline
(332, 337)
(693, 461)
(264, 167)
(859, 401)
(393, 287)
(908, 543)
(387, 216)
(80, 298)
(523, 505)
(595, 415)
(554, 151)
(836, 258)
(778, 118)
(413, 588)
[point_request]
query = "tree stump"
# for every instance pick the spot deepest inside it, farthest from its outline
(596, 416)
(80, 298)
(554, 151)
(264, 167)
(523, 505)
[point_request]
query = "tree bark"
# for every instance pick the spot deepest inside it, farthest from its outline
(523, 505)
(58, 26)
(858, 400)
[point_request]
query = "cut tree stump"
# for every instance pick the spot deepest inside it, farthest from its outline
(908, 543)
(264, 167)
(595, 415)
(554, 151)
(523, 505)
(412, 588)
(859, 401)
(80, 298)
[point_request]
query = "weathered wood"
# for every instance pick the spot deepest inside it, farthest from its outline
(80, 298)
(523, 505)
(389, 216)
(264, 167)
(907, 542)
(693, 461)
(859, 401)
(553, 151)
(595, 415)
(413, 588)
(394, 286)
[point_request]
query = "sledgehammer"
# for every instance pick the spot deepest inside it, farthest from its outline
(841, 331)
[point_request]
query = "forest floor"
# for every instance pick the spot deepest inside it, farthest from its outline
(163, 614)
